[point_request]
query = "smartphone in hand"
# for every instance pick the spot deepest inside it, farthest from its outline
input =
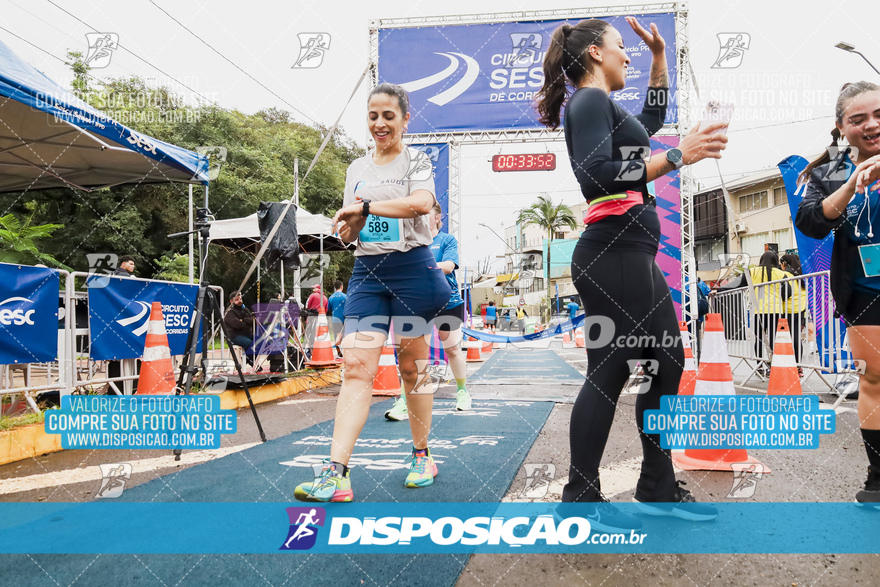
(716, 112)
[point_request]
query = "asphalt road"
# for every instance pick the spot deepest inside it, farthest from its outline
(834, 472)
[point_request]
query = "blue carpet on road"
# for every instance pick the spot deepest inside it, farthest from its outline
(524, 366)
(478, 454)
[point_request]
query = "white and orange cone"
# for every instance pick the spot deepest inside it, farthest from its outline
(473, 351)
(322, 352)
(784, 378)
(487, 344)
(579, 338)
(713, 378)
(157, 371)
(689, 375)
(387, 380)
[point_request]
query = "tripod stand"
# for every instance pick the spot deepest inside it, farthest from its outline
(188, 368)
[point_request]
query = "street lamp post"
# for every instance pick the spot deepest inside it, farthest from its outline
(852, 49)
(502, 240)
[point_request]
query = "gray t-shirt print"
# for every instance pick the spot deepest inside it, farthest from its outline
(409, 172)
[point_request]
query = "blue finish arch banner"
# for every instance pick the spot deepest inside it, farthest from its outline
(28, 314)
(119, 311)
(484, 76)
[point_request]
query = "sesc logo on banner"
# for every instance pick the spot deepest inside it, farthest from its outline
(28, 314)
(119, 314)
(485, 76)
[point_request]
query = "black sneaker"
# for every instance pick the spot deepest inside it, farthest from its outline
(684, 506)
(603, 516)
(870, 495)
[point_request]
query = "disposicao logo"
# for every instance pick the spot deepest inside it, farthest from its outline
(304, 522)
(514, 532)
(17, 317)
(460, 87)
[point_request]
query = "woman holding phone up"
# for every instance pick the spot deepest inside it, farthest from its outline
(613, 264)
(841, 195)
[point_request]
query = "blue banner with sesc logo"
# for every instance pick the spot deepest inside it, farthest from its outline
(119, 312)
(485, 76)
(28, 314)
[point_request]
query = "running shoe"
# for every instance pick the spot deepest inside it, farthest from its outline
(422, 469)
(870, 495)
(398, 411)
(463, 400)
(329, 485)
(604, 517)
(683, 506)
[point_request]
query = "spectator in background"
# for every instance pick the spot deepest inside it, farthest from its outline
(796, 305)
(240, 323)
(491, 315)
(126, 267)
(316, 300)
(336, 304)
(573, 309)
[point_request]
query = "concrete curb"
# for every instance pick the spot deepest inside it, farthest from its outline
(30, 441)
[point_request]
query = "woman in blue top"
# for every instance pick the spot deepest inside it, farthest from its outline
(841, 195)
(388, 195)
(449, 320)
(613, 264)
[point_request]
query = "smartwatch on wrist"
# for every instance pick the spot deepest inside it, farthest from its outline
(675, 157)
(366, 210)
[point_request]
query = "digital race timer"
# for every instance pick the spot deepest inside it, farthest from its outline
(528, 162)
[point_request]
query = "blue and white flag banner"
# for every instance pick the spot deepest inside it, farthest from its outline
(432, 528)
(119, 311)
(485, 76)
(28, 314)
(439, 155)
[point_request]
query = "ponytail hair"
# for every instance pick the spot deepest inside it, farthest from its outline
(847, 93)
(566, 63)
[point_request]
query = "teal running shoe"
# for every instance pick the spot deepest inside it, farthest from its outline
(422, 470)
(329, 486)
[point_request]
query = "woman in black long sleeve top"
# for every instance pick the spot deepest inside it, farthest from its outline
(613, 263)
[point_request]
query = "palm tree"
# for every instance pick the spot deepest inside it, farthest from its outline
(550, 217)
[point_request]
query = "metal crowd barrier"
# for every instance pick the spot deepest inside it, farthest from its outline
(73, 368)
(751, 313)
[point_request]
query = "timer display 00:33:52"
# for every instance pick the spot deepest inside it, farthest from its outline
(524, 162)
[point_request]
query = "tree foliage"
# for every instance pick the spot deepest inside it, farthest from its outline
(136, 219)
(17, 242)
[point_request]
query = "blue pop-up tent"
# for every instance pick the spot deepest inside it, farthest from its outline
(50, 138)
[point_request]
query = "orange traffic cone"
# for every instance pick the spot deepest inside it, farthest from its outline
(387, 380)
(566, 337)
(495, 345)
(322, 352)
(713, 378)
(487, 344)
(579, 338)
(473, 351)
(784, 379)
(689, 375)
(157, 371)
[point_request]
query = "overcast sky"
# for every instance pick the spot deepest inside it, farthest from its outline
(784, 90)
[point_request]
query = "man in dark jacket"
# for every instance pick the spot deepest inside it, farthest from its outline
(126, 267)
(240, 322)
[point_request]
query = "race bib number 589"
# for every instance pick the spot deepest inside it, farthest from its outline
(381, 230)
